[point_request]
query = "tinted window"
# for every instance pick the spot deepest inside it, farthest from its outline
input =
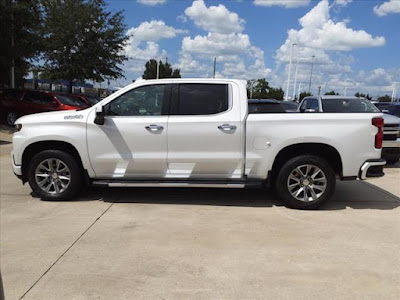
(348, 106)
(71, 101)
(143, 101)
(289, 105)
(32, 97)
(202, 99)
(261, 108)
(312, 104)
(394, 110)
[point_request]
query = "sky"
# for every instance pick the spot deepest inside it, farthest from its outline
(356, 43)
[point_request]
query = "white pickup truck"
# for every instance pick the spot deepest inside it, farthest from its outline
(194, 133)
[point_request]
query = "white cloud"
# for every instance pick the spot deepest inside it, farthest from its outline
(142, 44)
(343, 2)
(284, 3)
(214, 18)
(389, 7)
(151, 2)
(236, 56)
(153, 31)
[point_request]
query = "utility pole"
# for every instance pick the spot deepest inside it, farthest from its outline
(312, 66)
(319, 90)
(394, 90)
(345, 91)
(215, 66)
(295, 77)
(158, 69)
(290, 67)
(299, 91)
(12, 83)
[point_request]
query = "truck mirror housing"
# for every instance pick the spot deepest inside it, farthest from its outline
(100, 114)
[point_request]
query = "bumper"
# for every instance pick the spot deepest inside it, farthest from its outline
(372, 168)
(391, 144)
(16, 169)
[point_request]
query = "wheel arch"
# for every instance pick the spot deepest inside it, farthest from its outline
(327, 152)
(37, 147)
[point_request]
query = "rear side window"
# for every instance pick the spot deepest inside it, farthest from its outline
(202, 99)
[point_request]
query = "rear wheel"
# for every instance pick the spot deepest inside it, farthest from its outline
(55, 175)
(305, 182)
(11, 118)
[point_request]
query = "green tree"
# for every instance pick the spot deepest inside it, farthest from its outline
(331, 93)
(21, 23)
(385, 98)
(304, 94)
(276, 93)
(165, 70)
(82, 41)
(367, 96)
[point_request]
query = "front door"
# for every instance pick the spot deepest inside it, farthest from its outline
(204, 132)
(132, 143)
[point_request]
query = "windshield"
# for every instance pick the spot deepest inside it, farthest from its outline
(71, 101)
(289, 105)
(348, 106)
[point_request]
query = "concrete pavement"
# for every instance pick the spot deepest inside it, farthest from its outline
(200, 244)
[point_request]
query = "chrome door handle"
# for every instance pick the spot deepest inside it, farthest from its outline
(227, 127)
(154, 128)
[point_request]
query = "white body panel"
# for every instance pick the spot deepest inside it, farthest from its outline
(193, 146)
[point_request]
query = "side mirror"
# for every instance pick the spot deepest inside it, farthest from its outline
(310, 111)
(100, 114)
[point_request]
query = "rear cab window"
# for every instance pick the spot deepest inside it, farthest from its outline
(200, 99)
(348, 105)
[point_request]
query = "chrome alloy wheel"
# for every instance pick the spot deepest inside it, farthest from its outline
(53, 176)
(307, 183)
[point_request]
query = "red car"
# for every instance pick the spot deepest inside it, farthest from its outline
(18, 103)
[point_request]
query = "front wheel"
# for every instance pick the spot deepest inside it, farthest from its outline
(55, 175)
(305, 182)
(11, 118)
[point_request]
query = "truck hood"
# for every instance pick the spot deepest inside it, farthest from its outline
(390, 119)
(55, 116)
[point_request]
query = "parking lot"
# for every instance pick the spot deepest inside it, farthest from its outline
(147, 243)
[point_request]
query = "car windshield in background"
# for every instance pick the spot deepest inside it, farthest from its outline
(394, 110)
(289, 105)
(348, 106)
(71, 101)
(92, 100)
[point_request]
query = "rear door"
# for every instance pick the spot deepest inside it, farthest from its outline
(204, 132)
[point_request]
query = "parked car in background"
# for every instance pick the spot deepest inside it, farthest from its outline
(90, 100)
(271, 106)
(261, 106)
(394, 109)
(339, 104)
(290, 106)
(17, 103)
(382, 106)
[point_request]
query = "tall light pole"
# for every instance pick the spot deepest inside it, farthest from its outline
(345, 91)
(295, 77)
(215, 66)
(299, 91)
(394, 90)
(312, 66)
(290, 66)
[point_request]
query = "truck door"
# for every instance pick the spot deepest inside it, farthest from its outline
(204, 132)
(132, 143)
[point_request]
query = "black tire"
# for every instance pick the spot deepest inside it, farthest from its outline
(11, 117)
(282, 182)
(75, 174)
(391, 161)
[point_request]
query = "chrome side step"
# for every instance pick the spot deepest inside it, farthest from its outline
(193, 184)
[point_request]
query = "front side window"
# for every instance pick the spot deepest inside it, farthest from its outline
(202, 99)
(313, 104)
(143, 101)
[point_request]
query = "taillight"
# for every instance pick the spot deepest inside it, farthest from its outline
(378, 122)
